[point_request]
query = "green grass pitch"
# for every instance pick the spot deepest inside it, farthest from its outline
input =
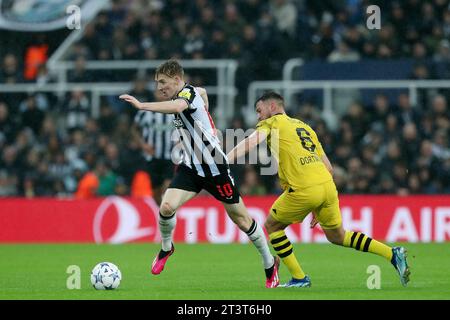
(216, 272)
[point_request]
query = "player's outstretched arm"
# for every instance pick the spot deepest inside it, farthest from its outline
(174, 106)
(204, 96)
(246, 145)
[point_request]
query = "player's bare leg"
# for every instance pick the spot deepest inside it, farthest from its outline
(284, 250)
(239, 215)
(172, 200)
(359, 241)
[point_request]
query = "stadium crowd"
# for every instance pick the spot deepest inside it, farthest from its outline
(49, 144)
(262, 34)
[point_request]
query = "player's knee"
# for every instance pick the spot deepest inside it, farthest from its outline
(269, 227)
(166, 209)
(335, 238)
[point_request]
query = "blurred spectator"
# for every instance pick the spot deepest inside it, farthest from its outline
(36, 54)
(10, 72)
(141, 186)
(399, 19)
(172, 43)
(285, 14)
(428, 18)
(420, 72)
(414, 185)
(88, 48)
(194, 41)
(142, 92)
(39, 183)
(353, 37)
(107, 179)
(78, 109)
(88, 186)
(216, 47)
(122, 46)
(369, 50)
(61, 171)
(400, 175)
(8, 125)
(386, 185)
(388, 42)
(309, 113)
(233, 23)
(251, 184)
(343, 53)
(112, 157)
(107, 120)
(43, 76)
(251, 9)
(357, 120)
(122, 133)
(9, 172)
(83, 49)
(340, 179)
(410, 143)
(32, 116)
(419, 51)
(443, 52)
(75, 147)
(380, 109)
(393, 154)
(117, 13)
(391, 128)
(79, 73)
(322, 42)
(406, 113)
(208, 20)
(103, 27)
(441, 146)
(439, 110)
(426, 154)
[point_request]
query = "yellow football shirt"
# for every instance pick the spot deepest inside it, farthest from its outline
(298, 152)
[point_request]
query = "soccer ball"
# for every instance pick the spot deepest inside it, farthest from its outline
(106, 276)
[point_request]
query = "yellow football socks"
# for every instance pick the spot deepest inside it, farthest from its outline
(284, 250)
(361, 242)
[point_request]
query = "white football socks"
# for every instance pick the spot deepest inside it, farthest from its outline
(166, 227)
(257, 236)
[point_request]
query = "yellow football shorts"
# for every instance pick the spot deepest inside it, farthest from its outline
(294, 205)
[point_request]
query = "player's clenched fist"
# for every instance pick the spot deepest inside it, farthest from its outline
(135, 102)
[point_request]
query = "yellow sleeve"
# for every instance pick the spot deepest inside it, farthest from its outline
(319, 149)
(264, 126)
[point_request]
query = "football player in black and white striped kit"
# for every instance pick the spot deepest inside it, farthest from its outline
(205, 165)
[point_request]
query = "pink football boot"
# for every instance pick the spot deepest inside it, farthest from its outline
(160, 260)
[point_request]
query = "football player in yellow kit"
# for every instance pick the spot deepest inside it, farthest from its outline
(305, 175)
